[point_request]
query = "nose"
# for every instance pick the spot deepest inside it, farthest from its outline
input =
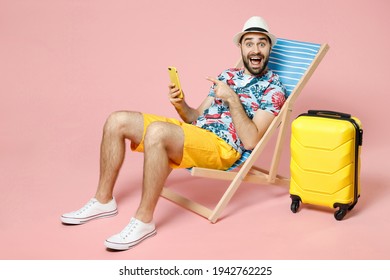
(256, 49)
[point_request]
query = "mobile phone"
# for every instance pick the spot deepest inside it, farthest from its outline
(174, 76)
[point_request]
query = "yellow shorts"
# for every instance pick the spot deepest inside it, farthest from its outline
(202, 148)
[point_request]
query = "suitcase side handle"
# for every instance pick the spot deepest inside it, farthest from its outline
(328, 113)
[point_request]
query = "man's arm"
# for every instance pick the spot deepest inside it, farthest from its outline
(249, 131)
(187, 113)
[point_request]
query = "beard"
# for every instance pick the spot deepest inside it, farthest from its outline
(258, 69)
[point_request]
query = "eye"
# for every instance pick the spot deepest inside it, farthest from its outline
(249, 44)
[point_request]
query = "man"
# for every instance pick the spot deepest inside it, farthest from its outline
(238, 110)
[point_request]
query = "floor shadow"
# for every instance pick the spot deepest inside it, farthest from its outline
(372, 190)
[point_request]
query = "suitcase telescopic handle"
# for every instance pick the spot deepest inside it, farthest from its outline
(329, 113)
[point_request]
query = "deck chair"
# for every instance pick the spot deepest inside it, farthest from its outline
(294, 62)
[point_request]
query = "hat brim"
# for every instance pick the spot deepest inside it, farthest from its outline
(238, 36)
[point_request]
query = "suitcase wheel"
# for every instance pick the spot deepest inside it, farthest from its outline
(340, 214)
(343, 210)
(295, 201)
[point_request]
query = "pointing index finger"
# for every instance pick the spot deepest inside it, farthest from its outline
(215, 81)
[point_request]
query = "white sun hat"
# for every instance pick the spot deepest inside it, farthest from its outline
(255, 24)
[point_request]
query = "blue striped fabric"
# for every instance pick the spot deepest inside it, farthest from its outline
(241, 160)
(290, 60)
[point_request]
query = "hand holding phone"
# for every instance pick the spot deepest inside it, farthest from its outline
(174, 76)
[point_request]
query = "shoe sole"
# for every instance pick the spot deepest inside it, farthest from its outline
(127, 246)
(78, 221)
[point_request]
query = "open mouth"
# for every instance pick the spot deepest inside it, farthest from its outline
(255, 61)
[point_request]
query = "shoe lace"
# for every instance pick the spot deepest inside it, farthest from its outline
(128, 229)
(86, 206)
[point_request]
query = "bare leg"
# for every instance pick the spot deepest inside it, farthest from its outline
(163, 143)
(118, 127)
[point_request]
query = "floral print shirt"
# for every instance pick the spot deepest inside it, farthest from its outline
(265, 92)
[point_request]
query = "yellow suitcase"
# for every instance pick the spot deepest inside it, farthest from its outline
(325, 160)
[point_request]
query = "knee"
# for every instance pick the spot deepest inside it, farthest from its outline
(156, 133)
(116, 122)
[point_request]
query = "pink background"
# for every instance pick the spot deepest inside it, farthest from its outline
(66, 64)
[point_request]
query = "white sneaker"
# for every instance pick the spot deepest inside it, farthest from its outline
(90, 211)
(134, 233)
